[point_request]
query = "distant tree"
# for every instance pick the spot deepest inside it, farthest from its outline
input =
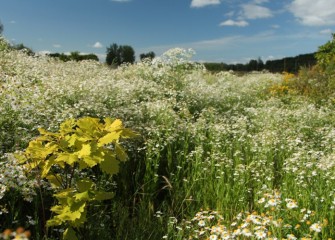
(1, 28)
(127, 54)
(91, 57)
(20, 46)
(74, 56)
(252, 65)
(113, 55)
(116, 55)
(260, 64)
(216, 67)
(150, 55)
(61, 56)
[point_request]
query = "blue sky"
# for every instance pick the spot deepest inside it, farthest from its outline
(227, 31)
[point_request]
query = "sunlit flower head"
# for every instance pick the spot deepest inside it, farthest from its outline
(292, 204)
(246, 232)
(316, 227)
(259, 234)
(201, 223)
(291, 237)
(213, 237)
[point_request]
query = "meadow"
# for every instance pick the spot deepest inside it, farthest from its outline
(220, 156)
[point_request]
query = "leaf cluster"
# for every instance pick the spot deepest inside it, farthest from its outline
(326, 54)
(117, 55)
(60, 158)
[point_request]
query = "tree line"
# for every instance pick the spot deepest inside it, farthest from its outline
(74, 56)
(287, 64)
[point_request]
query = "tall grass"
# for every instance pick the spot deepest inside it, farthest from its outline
(216, 145)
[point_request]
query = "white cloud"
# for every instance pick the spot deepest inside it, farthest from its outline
(43, 53)
(230, 22)
(314, 13)
(326, 31)
(253, 11)
(56, 45)
(275, 26)
(12, 22)
(120, 0)
(230, 14)
(260, 1)
(235, 48)
(203, 3)
(97, 45)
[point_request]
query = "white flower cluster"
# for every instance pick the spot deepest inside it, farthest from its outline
(13, 177)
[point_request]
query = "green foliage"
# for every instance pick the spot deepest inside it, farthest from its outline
(24, 48)
(326, 55)
(150, 55)
(74, 56)
(117, 55)
(1, 28)
(318, 82)
(63, 157)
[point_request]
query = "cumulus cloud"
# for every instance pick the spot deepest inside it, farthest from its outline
(97, 45)
(254, 11)
(203, 3)
(314, 13)
(326, 31)
(260, 1)
(230, 22)
(43, 52)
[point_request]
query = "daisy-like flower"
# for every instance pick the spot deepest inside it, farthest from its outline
(225, 236)
(291, 205)
(213, 237)
(316, 227)
(217, 229)
(201, 223)
(260, 234)
(272, 203)
(244, 225)
(291, 237)
(246, 232)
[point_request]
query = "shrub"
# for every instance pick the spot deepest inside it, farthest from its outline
(67, 159)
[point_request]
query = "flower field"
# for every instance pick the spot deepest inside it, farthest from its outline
(220, 156)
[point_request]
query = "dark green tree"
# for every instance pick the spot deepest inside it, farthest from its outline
(127, 54)
(74, 56)
(252, 65)
(117, 55)
(1, 28)
(150, 55)
(113, 55)
(260, 64)
(20, 46)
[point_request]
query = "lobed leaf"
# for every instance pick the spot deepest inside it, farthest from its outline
(84, 185)
(110, 165)
(84, 151)
(68, 158)
(101, 196)
(55, 180)
(69, 234)
(120, 152)
(109, 138)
